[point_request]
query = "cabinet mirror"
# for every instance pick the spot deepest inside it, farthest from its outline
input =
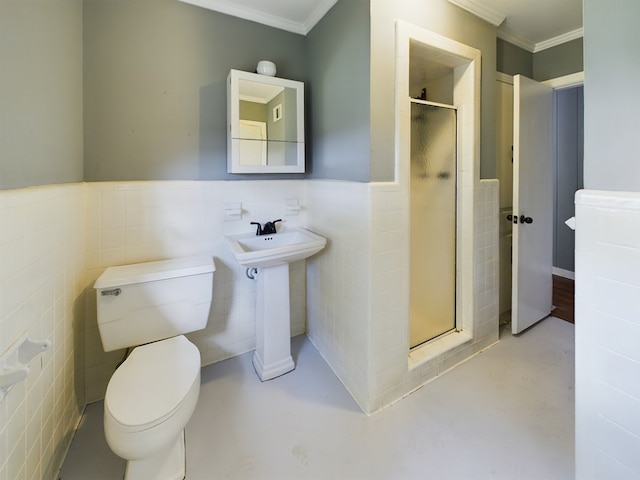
(266, 124)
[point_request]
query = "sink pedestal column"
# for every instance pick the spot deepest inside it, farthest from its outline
(273, 325)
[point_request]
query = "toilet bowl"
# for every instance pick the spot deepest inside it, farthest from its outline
(149, 400)
(152, 395)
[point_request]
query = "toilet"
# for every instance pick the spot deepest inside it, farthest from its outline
(153, 393)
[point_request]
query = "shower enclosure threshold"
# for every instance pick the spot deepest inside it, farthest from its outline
(429, 351)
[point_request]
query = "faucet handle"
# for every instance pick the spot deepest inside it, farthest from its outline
(259, 228)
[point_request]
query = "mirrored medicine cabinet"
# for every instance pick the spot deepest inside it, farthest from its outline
(265, 117)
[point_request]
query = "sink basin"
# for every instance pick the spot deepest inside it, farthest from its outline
(288, 245)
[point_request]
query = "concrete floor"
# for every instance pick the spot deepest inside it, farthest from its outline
(508, 413)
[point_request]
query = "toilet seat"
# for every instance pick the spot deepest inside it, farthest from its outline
(152, 383)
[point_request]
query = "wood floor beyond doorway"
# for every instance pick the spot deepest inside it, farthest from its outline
(563, 298)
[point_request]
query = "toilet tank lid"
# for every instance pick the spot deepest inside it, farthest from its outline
(153, 271)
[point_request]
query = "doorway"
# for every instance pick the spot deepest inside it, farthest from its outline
(567, 177)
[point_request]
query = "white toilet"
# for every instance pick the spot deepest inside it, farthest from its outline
(152, 395)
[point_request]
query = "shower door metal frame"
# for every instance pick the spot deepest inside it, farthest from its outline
(456, 320)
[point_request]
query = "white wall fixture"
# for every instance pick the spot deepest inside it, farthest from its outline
(14, 363)
(232, 211)
(571, 223)
(292, 206)
(265, 67)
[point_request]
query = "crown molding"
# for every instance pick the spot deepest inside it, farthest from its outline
(516, 40)
(559, 40)
(485, 13)
(540, 46)
(229, 8)
(318, 13)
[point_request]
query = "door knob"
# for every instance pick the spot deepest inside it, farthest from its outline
(524, 219)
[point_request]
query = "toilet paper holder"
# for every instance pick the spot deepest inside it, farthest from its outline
(14, 363)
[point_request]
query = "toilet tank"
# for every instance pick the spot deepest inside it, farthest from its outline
(145, 302)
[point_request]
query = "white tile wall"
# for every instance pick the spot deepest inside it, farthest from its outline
(55, 241)
(479, 310)
(144, 221)
(486, 261)
(338, 291)
(358, 288)
(41, 264)
(607, 335)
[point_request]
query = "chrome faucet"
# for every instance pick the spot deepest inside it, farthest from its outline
(268, 229)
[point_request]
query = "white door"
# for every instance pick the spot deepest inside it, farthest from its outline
(253, 142)
(532, 203)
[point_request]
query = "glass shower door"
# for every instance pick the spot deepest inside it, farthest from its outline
(433, 173)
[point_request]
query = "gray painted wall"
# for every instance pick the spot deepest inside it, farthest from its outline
(558, 61)
(444, 18)
(338, 91)
(513, 60)
(154, 87)
(40, 92)
(569, 114)
(611, 96)
(155, 91)
(550, 63)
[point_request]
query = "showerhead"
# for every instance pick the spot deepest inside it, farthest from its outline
(423, 95)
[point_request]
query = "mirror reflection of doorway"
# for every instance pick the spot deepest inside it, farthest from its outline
(253, 142)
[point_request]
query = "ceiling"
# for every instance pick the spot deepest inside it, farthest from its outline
(530, 24)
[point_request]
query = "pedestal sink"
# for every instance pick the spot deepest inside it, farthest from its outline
(271, 255)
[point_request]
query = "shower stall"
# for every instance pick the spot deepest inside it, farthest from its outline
(432, 212)
(428, 244)
(433, 197)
